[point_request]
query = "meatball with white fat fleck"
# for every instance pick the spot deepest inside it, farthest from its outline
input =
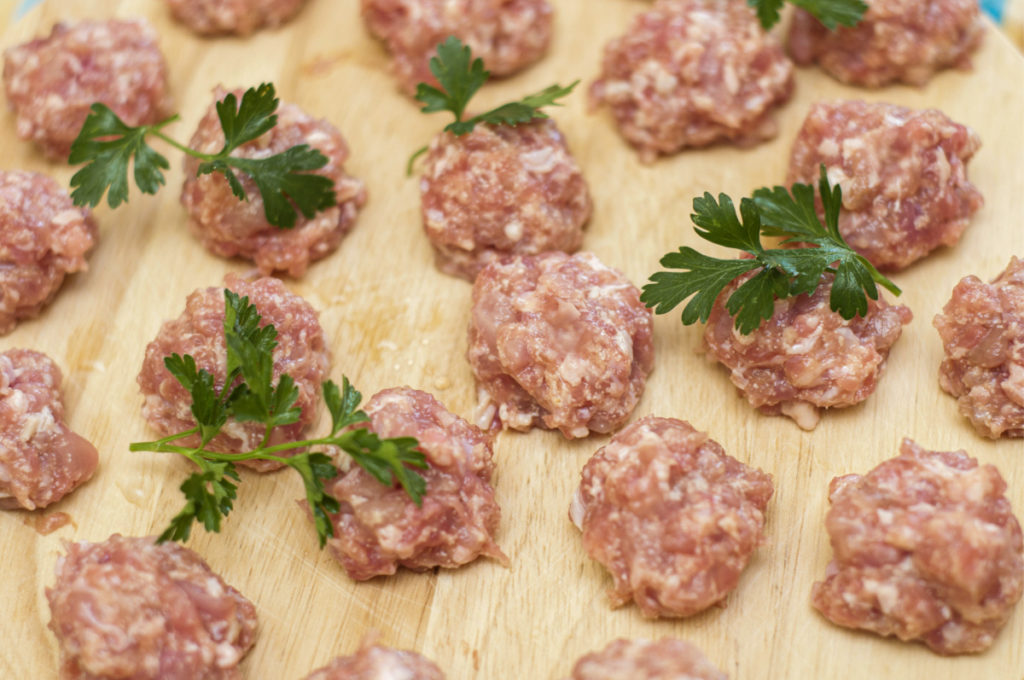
(665, 659)
(502, 190)
(236, 17)
(132, 609)
(926, 548)
(43, 237)
(229, 227)
(41, 459)
(380, 528)
(903, 174)
(689, 73)
(558, 341)
(982, 331)
(301, 352)
(806, 357)
(670, 515)
(895, 41)
(52, 82)
(379, 662)
(508, 35)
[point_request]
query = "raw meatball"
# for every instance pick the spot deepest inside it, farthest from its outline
(645, 660)
(558, 341)
(926, 548)
(982, 330)
(380, 528)
(689, 73)
(381, 662)
(896, 40)
(51, 82)
(502, 189)
(508, 35)
(903, 174)
(41, 459)
(806, 357)
(229, 227)
(128, 608)
(239, 17)
(301, 352)
(670, 515)
(43, 236)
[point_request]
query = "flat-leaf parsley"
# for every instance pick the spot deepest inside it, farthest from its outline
(831, 13)
(107, 145)
(781, 272)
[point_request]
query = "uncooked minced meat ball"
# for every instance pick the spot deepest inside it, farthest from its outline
(238, 17)
(508, 35)
(926, 548)
(896, 40)
(301, 352)
(982, 331)
(903, 174)
(380, 528)
(51, 82)
(806, 357)
(43, 236)
(670, 515)
(558, 341)
(689, 73)
(41, 459)
(377, 662)
(128, 608)
(502, 189)
(645, 660)
(229, 227)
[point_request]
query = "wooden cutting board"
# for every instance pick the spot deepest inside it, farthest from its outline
(393, 319)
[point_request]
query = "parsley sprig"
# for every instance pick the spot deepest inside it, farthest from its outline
(249, 395)
(831, 13)
(460, 76)
(285, 180)
(784, 272)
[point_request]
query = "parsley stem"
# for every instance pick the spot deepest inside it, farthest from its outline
(181, 147)
(149, 446)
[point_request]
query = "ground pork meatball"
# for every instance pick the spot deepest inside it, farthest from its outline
(43, 236)
(229, 227)
(508, 35)
(502, 189)
(301, 352)
(380, 528)
(665, 659)
(670, 515)
(926, 548)
(51, 82)
(379, 663)
(689, 73)
(903, 174)
(982, 331)
(896, 40)
(558, 341)
(238, 17)
(130, 609)
(41, 459)
(806, 357)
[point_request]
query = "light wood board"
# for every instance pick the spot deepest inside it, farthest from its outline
(393, 319)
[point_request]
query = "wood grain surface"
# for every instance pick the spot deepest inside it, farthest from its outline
(393, 319)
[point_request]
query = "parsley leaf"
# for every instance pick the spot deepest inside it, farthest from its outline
(250, 395)
(783, 272)
(285, 181)
(831, 13)
(460, 76)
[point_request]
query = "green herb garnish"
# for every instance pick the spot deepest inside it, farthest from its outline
(248, 395)
(108, 145)
(784, 272)
(460, 76)
(831, 13)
